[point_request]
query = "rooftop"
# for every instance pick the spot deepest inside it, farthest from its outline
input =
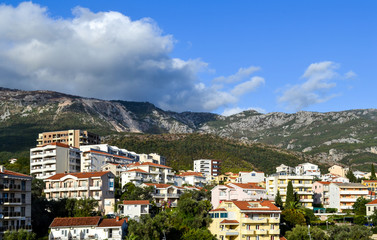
(78, 175)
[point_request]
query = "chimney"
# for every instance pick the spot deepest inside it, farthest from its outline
(1, 168)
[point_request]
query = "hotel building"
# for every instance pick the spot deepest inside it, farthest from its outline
(73, 138)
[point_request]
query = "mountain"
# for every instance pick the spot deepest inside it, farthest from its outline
(347, 137)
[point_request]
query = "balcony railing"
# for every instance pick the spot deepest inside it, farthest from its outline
(14, 228)
(10, 200)
(12, 214)
(10, 186)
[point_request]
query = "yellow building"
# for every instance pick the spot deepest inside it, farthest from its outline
(371, 184)
(226, 178)
(245, 220)
(302, 185)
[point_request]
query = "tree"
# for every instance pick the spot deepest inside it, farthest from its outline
(132, 192)
(291, 218)
(346, 232)
(359, 207)
(19, 235)
(85, 207)
(278, 200)
(351, 176)
(198, 234)
(301, 233)
(290, 194)
(372, 173)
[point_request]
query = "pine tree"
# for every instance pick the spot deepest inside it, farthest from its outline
(372, 173)
(278, 200)
(290, 195)
(351, 176)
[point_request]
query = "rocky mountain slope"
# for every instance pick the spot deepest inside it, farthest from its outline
(348, 137)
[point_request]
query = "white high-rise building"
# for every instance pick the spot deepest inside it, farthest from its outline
(207, 167)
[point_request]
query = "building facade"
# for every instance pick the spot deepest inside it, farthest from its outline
(251, 177)
(153, 158)
(371, 207)
(193, 178)
(342, 196)
(15, 201)
(284, 169)
(48, 160)
(133, 208)
(338, 170)
(246, 220)
(321, 193)
(165, 195)
(96, 185)
(371, 184)
(302, 185)
(73, 138)
(207, 167)
(308, 169)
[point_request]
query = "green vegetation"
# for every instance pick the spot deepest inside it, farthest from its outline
(302, 233)
(353, 232)
(181, 149)
(19, 235)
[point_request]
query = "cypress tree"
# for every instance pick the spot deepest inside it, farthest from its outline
(290, 195)
(351, 176)
(278, 201)
(372, 173)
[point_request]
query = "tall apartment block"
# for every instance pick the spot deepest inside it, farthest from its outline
(73, 138)
(52, 159)
(207, 167)
(15, 201)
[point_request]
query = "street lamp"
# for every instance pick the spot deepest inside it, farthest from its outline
(310, 237)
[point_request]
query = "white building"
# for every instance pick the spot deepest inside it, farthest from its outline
(87, 228)
(116, 168)
(308, 169)
(153, 158)
(133, 208)
(359, 174)
(207, 167)
(371, 207)
(250, 177)
(165, 194)
(193, 178)
(342, 196)
(285, 169)
(53, 158)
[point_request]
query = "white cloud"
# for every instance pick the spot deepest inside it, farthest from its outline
(350, 74)
(238, 76)
(104, 55)
(235, 110)
(316, 88)
(247, 86)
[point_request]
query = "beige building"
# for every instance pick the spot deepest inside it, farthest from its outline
(338, 170)
(342, 196)
(115, 168)
(302, 185)
(246, 220)
(165, 194)
(152, 157)
(15, 201)
(371, 207)
(73, 138)
(96, 185)
(53, 158)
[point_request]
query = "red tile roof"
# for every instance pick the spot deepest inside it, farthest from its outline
(370, 180)
(136, 202)
(247, 185)
(111, 222)
(58, 144)
(16, 174)
(147, 164)
(323, 182)
(159, 185)
(218, 210)
(191, 174)
(137, 170)
(78, 175)
(75, 221)
(229, 221)
(266, 205)
(373, 202)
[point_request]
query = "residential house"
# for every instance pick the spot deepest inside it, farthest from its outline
(48, 160)
(208, 167)
(321, 193)
(308, 169)
(302, 185)
(359, 174)
(284, 169)
(237, 191)
(153, 158)
(15, 201)
(72, 138)
(245, 220)
(133, 208)
(342, 196)
(193, 178)
(116, 168)
(371, 207)
(87, 228)
(338, 170)
(371, 184)
(251, 177)
(165, 194)
(329, 177)
(95, 185)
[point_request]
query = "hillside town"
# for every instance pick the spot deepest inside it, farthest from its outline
(75, 165)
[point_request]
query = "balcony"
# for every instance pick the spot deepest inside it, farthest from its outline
(305, 192)
(229, 232)
(364, 192)
(158, 195)
(248, 232)
(10, 201)
(261, 231)
(348, 199)
(274, 231)
(12, 187)
(306, 200)
(254, 220)
(273, 220)
(12, 214)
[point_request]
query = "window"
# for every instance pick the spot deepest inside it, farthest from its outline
(223, 215)
(216, 215)
(23, 185)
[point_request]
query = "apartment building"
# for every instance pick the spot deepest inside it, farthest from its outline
(96, 185)
(193, 178)
(73, 138)
(251, 177)
(302, 185)
(153, 158)
(48, 160)
(207, 167)
(225, 178)
(338, 170)
(116, 168)
(134, 208)
(15, 201)
(165, 195)
(87, 228)
(342, 196)
(371, 184)
(321, 193)
(237, 192)
(284, 169)
(308, 169)
(329, 177)
(246, 220)
(139, 173)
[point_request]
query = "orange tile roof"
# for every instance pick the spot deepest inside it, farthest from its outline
(147, 163)
(136, 202)
(75, 221)
(57, 144)
(372, 202)
(78, 175)
(324, 182)
(248, 185)
(16, 174)
(244, 205)
(191, 174)
(218, 210)
(370, 180)
(229, 221)
(159, 185)
(111, 222)
(137, 170)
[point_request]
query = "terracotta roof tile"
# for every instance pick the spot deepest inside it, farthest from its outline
(218, 210)
(191, 174)
(370, 180)
(7, 172)
(111, 222)
(247, 185)
(265, 205)
(78, 175)
(373, 202)
(229, 221)
(136, 202)
(137, 170)
(57, 144)
(75, 221)
(159, 185)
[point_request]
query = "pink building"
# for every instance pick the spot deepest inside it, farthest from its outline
(237, 192)
(321, 193)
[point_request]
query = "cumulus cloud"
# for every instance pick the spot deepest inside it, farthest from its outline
(235, 110)
(320, 79)
(106, 55)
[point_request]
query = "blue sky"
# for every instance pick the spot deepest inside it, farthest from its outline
(217, 56)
